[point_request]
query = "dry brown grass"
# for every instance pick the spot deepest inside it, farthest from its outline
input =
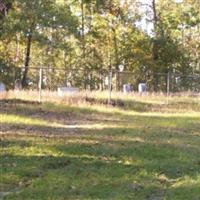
(150, 102)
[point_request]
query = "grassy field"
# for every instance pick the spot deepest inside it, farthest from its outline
(139, 149)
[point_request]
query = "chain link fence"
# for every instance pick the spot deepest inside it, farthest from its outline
(48, 78)
(158, 82)
(52, 78)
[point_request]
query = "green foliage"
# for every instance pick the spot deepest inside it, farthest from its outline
(8, 74)
(94, 35)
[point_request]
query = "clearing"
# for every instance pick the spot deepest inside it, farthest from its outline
(54, 151)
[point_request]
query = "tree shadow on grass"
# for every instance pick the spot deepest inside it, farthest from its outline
(74, 115)
(123, 104)
(54, 112)
(91, 172)
(18, 101)
(114, 142)
(66, 116)
(139, 106)
(97, 162)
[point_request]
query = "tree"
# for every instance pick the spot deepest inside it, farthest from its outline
(89, 37)
(32, 25)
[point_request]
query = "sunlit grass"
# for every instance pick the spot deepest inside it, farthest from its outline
(95, 151)
(16, 119)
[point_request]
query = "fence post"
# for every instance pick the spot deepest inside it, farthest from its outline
(168, 86)
(14, 77)
(40, 85)
(109, 86)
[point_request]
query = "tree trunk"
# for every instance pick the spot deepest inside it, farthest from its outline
(155, 47)
(83, 43)
(116, 60)
(155, 24)
(4, 8)
(27, 59)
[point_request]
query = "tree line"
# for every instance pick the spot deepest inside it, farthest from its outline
(96, 35)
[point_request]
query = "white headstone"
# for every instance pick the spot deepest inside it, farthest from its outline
(142, 88)
(62, 91)
(2, 87)
(126, 88)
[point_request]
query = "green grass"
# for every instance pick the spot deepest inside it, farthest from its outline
(55, 151)
(16, 119)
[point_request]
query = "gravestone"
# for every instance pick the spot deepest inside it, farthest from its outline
(126, 88)
(142, 88)
(2, 87)
(62, 91)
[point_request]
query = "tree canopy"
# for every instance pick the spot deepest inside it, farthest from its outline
(97, 35)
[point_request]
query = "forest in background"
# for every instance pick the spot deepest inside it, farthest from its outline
(83, 36)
